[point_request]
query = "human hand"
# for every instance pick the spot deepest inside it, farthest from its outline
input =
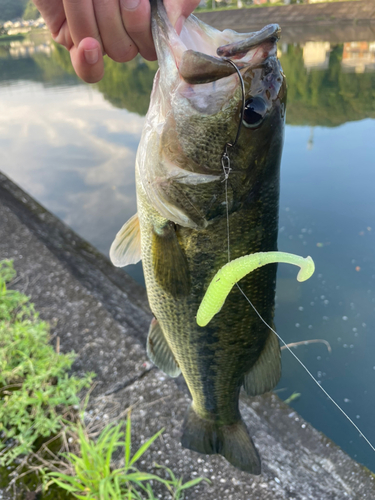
(119, 28)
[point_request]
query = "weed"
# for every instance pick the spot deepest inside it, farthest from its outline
(293, 397)
(94, 479)
(38, 416)
(35, 388)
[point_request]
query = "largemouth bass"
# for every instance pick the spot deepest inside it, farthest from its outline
(181, 228)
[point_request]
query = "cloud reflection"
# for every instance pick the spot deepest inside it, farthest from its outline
(74, 152)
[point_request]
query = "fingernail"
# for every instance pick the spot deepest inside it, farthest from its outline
(130, 4)
(92, 56)
(179, 24)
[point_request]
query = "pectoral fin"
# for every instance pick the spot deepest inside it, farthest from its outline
(159, 351)
(266, 372)
(169, 262)
(126, 248)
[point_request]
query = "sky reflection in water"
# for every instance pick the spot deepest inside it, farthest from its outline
(69, 146)
(74, 153)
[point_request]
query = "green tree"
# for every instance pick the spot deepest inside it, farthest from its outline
(124, 85)
(128, 85)
(38, 68)
(31, 12)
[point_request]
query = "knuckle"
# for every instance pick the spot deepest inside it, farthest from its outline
(63, 37)
(61, 40)
(122, 51)
(137, 29)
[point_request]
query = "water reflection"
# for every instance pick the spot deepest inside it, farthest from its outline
(35, 60)
(21, 49)
(320, 91)
(72, 146)
(316, 55)
(329, 83)
(358, 57)
(74, 153)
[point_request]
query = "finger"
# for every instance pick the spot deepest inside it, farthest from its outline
(117, 43)
(81, 20)
(53, 13)
(63, 36)
(137, 22)
(179, 10)
(87, 60)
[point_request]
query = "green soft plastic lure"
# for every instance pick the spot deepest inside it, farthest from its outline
(234, 271)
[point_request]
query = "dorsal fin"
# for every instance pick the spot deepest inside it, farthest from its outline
(126, 248)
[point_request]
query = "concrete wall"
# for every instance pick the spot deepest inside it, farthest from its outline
(318, 14)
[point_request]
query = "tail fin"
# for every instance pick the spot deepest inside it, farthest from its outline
(231, 441)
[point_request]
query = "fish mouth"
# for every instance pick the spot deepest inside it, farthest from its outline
(200, 53)
(195, 110)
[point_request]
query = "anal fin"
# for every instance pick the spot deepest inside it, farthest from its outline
(266, 372)
(159, 351)
(126, 248)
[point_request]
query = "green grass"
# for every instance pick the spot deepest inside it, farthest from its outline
(39, 418)
(95, 479)
(35, 388)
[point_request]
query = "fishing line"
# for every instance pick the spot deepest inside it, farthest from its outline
(225, 161)
(308, 371)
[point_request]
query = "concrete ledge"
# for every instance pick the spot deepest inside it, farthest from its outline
(119, 293)
(341, 21)
(102, 314)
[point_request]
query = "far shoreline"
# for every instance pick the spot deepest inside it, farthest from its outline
(328, 14)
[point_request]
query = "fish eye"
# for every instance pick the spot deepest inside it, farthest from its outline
(254, 112)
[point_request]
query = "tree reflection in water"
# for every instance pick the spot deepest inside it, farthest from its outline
(326, 95)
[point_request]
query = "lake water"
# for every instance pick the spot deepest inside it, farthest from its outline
(72, 146)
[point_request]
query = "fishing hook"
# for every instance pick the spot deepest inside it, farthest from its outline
(225, 161)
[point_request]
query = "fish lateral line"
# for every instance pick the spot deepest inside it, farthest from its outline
(235, 270)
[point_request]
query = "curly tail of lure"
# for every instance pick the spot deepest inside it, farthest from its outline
(237, 269)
